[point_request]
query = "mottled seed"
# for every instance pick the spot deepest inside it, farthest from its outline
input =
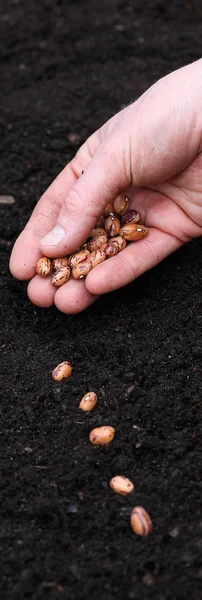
(118, 242)
(112, 226)
(121, 485)
(121, 204)
(109, 209)
(44, 266)
(81, 270)
(102, 435)
(109, 249)
(88, 402)
(131, 216)
(96, 257)
(100, 221)
(61, 276)
(78, 257)
(97, 242)
(59, 263)
(97, 231)
(140, 521)
(133, 231)
(62, 371)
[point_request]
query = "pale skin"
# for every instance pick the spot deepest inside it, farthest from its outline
(151, 150)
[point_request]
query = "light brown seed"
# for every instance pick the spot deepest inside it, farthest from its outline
(133, 231)
(88, 402)
(59, 263)
(140, 521)
(118, 242)
(102, 435)
(97, 242)
(62, 371)
(78, 257)
(121, 203)
(97, 231)
(109, 209)
(96, 257)
(109, 249)
(44, 266)
(112, 226)
(100, 221)
(61, 276)
(121, 485)
(81, 270)
(131, 216)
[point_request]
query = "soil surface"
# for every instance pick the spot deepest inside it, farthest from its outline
(66, 67)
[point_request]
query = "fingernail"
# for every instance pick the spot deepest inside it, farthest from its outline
(53, 237)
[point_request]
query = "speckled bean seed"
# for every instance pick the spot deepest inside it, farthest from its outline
(121, 204)
(102, 435)
(88, 402)
(44, 266)
(109, 249)
(133, 231)
(109, 209)
(131, 216)
(78, 257)
(121, 485)
(100, 221)
(97, 231)
(62, 371)
(81, 270)
(97, 242)
(96, 257)
(112, 226)
(140, 521)
(118, 242)
(59, 263)
(61, 276)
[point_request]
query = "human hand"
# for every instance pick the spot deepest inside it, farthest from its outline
(151, 151)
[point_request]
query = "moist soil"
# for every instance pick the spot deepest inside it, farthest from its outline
(65, 69)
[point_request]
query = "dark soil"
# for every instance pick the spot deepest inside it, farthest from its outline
(66, 68)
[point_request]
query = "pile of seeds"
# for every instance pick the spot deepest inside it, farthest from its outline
(110, 235)
(140, 520)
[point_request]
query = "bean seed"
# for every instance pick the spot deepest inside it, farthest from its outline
(133, 231)
(81, 270)
(102, 435)
(112, 226)
(62, 371)
(78, 257)
(109, 209)
(121, 485)
(121, 204)
(88, 402)
(96, 257)
(97, 231)
(97, 242)
(132, 216)
(140, 521)
(44, 266)
(100, 221)
(58, 263)
(109, 249)
(118, 242)
(61, 276)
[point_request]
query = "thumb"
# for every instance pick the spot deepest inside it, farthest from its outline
(104, 178)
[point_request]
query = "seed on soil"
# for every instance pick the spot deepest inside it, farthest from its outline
(44, 266)
(140, 521)
(118, 242)
(109, 209)
(102, 435)
(133, 231)
(61, 276)
(121, 204)
(62, 371)
(96, 257)
(131, 216)
(97, 242)
(121, 485)
(88, 402)
(81, 270)
(59, 263)
(78, 257)
(112, 226)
